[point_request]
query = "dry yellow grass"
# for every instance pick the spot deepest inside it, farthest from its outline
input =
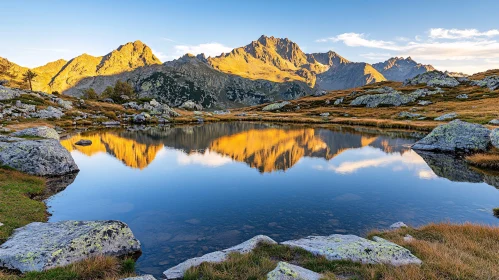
(448, 251)
(489, 161)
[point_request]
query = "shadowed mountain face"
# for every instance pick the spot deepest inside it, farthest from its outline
(266, 148)
(400, 69)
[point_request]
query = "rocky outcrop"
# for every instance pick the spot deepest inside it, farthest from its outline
(41, 246)
(9, 93)
(491, 82)
(177, 272)
(37, 157)
(400, 69)
(446, 117)
(40, 131)
(48, 113)
(355, 248)
(456, 136)
(408, 115)
(275, 106)
(398, 225)
(191, 106)
(286, 271)
(433, 79)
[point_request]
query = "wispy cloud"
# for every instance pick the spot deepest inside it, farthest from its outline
(209, 49)
(475, 49)
(170, 40)
(441, 33)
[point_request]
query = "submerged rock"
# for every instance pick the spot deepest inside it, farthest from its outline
(37, 157)
(143, 277)
(456, 136)
(84, 142)
(445, 117)
(286, 271)
(275, 106)
(177, 272)
(40, 246)
(40, 131)
(355, 248)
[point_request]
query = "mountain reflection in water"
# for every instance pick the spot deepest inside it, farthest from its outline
(186, 191)
(262, 147)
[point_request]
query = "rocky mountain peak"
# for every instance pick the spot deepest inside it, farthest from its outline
(400, 69)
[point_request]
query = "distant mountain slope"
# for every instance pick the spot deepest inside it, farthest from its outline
(349, 75)
(280, 60)
(192, 78)
(13, 73)
(61, 75)
(399, 69)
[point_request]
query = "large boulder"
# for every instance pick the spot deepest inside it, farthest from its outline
(456, 136)
(387, 96)
(433, 79)
(45, 157)
(40, 131)
(177, 272)
(286, 271)
(446, 117)
(275, 106)
(40, 246)
(355, 248)
(494, 137)
(191, 106)
(48, 113)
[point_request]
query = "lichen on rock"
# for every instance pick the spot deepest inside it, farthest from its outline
(355, 248)
(41, 246)
(286, 271)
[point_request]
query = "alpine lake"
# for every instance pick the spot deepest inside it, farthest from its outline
(189, 190)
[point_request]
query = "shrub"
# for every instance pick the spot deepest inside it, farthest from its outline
(90, 94)
(56, 93)
(120, 89)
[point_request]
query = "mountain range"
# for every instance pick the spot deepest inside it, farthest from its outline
(265, 70)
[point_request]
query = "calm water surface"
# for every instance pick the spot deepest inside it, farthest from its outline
(186, 191)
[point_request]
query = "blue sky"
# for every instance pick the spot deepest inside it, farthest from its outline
(451, 35)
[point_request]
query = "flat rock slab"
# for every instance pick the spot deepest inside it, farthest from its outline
(40, 246)
(456, 136)
(355, 248)
(177, 272)
(286, 271)
(45, 157)
(41, 131)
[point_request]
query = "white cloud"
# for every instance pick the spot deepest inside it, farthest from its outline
(441, 33)
(208, 158)
(376, 56)
(474, 50)
(209, 49)
(160, 55)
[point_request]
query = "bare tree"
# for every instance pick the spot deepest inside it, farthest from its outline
(28, 77)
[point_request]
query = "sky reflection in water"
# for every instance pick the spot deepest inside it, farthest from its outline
(191, 190)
